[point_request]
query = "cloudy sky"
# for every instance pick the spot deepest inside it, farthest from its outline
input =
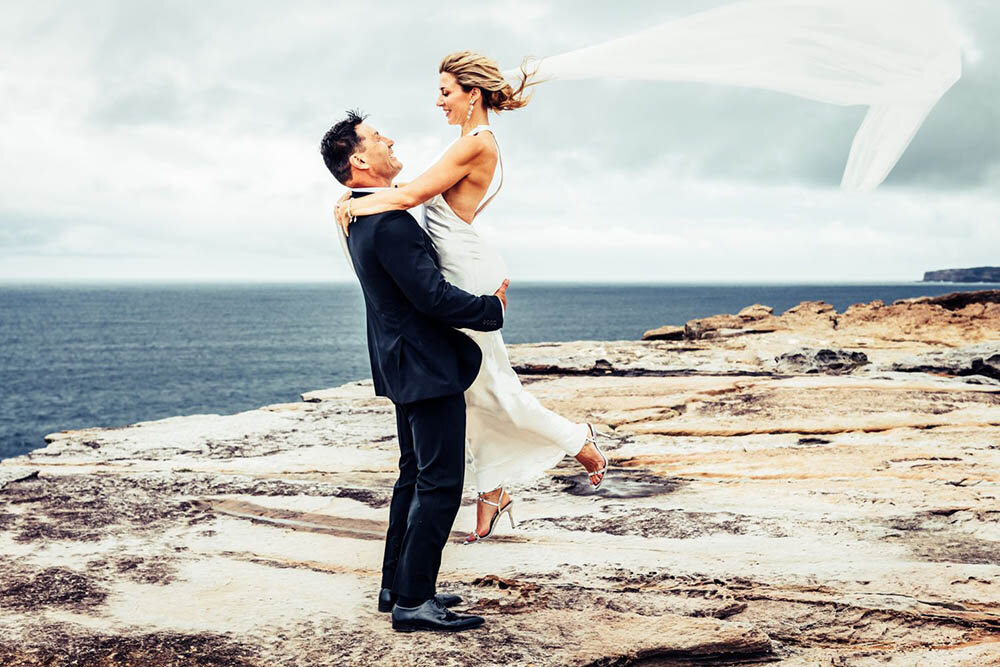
(178, 141)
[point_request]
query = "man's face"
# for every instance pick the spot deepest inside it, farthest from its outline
(376, 153)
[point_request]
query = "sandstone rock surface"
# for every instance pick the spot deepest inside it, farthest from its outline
(956, 319)
(667, 332)
(838, 513)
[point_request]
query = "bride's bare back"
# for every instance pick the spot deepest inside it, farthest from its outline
(465, 196)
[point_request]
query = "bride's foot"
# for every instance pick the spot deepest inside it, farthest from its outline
(593, 459)
(491, 504)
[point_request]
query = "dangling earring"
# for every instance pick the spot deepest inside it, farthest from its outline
(468, 116)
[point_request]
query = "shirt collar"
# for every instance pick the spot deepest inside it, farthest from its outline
(369, 189)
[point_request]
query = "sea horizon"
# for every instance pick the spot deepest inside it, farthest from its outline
(118, 282)
(115, 283)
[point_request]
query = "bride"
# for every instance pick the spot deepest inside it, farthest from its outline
(511, 437)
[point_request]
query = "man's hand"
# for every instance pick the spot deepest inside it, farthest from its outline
(340, 212)
(502, 292)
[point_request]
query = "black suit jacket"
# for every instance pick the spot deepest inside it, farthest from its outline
(415, 351)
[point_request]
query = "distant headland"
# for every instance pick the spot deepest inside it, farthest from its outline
(979, 274)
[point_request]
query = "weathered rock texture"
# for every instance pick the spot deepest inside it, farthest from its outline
(953, 319)
(822, 493)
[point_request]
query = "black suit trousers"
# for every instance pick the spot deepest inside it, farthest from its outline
(427, 494)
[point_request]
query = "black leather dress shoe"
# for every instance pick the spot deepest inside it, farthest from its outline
(432, 616)
(386, 599)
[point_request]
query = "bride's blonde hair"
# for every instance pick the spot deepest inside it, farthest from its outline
(473, 70)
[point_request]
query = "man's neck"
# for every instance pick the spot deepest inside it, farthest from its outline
(373, 183)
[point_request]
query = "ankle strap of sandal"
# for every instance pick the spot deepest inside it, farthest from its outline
(490, 502)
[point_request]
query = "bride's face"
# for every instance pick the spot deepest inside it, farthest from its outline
(453, 100)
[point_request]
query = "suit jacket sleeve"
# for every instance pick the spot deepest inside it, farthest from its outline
(400, 246)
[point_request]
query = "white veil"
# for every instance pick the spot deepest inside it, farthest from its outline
(898, 57)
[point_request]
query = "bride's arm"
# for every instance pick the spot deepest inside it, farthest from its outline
(453, 166)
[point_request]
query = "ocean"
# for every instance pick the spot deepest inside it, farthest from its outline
(109, 355)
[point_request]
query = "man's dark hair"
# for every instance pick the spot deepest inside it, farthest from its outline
(340, 143)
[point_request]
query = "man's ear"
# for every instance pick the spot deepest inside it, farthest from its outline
(358, 162)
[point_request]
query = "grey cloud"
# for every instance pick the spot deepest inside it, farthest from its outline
(152, 102)
(295, 69)
(959, 143)
(22, 234)
(172, 87)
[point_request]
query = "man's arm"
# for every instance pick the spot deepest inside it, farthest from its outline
(399, 244)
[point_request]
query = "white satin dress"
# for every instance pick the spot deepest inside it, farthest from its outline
(511, 438)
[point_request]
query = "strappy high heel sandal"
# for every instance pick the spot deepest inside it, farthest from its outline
(603, 472)
(506, 509)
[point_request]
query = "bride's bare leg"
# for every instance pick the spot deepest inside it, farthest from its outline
(485, 512)
(591, 460)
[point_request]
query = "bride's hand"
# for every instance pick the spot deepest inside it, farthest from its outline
(340, 212)
(501, 293)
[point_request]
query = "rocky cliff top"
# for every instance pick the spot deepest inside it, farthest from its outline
(955, 319)
(811, 487)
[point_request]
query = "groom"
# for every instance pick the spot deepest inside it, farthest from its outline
(423, 365)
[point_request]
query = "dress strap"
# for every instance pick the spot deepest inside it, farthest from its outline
(499, 166)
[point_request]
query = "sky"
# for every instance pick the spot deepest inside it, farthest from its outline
(178, 141)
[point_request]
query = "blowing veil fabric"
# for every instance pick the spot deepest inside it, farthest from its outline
(898, 57)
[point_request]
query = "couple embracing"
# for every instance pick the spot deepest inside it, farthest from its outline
(435, 297)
